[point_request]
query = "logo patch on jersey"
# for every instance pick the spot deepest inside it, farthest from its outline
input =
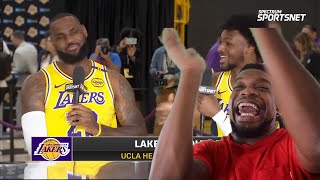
(57, 86)
(66, 98)
(221, 92)
(97, 82)
(51, 149)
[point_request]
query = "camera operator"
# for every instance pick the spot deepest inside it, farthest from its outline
(103, 55)
(165, 76)
(164, 73)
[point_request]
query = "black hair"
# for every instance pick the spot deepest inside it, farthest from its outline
(1, 45)
(312, 28)
(62, 15)
(18, 35)
(5, 65)
(130, 32)
(243, 23)
(258, 66)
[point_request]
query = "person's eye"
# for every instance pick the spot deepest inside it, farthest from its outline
(237, 87)
(228, 44)
(59, 37)
(263, 88)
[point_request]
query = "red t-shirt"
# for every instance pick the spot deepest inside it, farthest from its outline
(271, 158)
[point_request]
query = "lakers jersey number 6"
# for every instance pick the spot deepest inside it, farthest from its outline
(100, 99)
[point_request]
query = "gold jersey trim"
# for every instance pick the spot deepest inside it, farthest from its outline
(46, 76)
(56, 67)
(106, 75)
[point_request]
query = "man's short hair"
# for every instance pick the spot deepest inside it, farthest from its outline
(312, 28)
(103, 42)
(243, 23)
(62, 15)
(18, 35)
(258, 66)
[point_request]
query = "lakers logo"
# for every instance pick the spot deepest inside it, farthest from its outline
(51, 149)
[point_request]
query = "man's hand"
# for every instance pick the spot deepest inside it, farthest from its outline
(207, 105)
(122, 43)
(106, 56)
(171, 82)
(97, 51)
(131, 50)
(83, 116)
(187, 60)
(163, 110)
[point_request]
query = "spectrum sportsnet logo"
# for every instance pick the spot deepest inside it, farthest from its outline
(51, 149)
(207, 90)
(277, 15)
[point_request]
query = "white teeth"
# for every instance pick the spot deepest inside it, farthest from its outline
(223, 57)
(247, 114)
(248, 104)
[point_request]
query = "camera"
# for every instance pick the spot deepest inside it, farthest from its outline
(105, 49)
(160, 82)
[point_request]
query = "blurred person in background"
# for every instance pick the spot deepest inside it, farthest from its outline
(50, 54)
(165, 75)
(24, 64)
(4, 47)
(312, 32)
(24, 57)
(130, 55)
(6, 80)
(5, 71)
(309, 54)
(105, 56)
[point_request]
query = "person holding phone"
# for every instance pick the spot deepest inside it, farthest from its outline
(103, 55)
(129, 53)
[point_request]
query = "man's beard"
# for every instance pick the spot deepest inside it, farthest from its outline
(251, 132)
(74, 58)
(228, 68)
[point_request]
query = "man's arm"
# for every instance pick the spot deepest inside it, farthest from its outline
(208, 105)
(297, 94)
(128, 114)
(173, 156)
(32, 100)
(33, 93)
(154, 61)
(109, 62)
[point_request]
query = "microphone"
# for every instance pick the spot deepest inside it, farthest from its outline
(77, 86)
(206, 88)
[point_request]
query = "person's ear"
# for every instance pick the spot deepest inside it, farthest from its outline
(249, 49)
(84, 30)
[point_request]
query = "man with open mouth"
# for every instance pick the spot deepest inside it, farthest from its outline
(255, 149)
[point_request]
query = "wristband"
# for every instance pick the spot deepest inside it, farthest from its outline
(223, 122)
(99, 132)
(219, 117)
